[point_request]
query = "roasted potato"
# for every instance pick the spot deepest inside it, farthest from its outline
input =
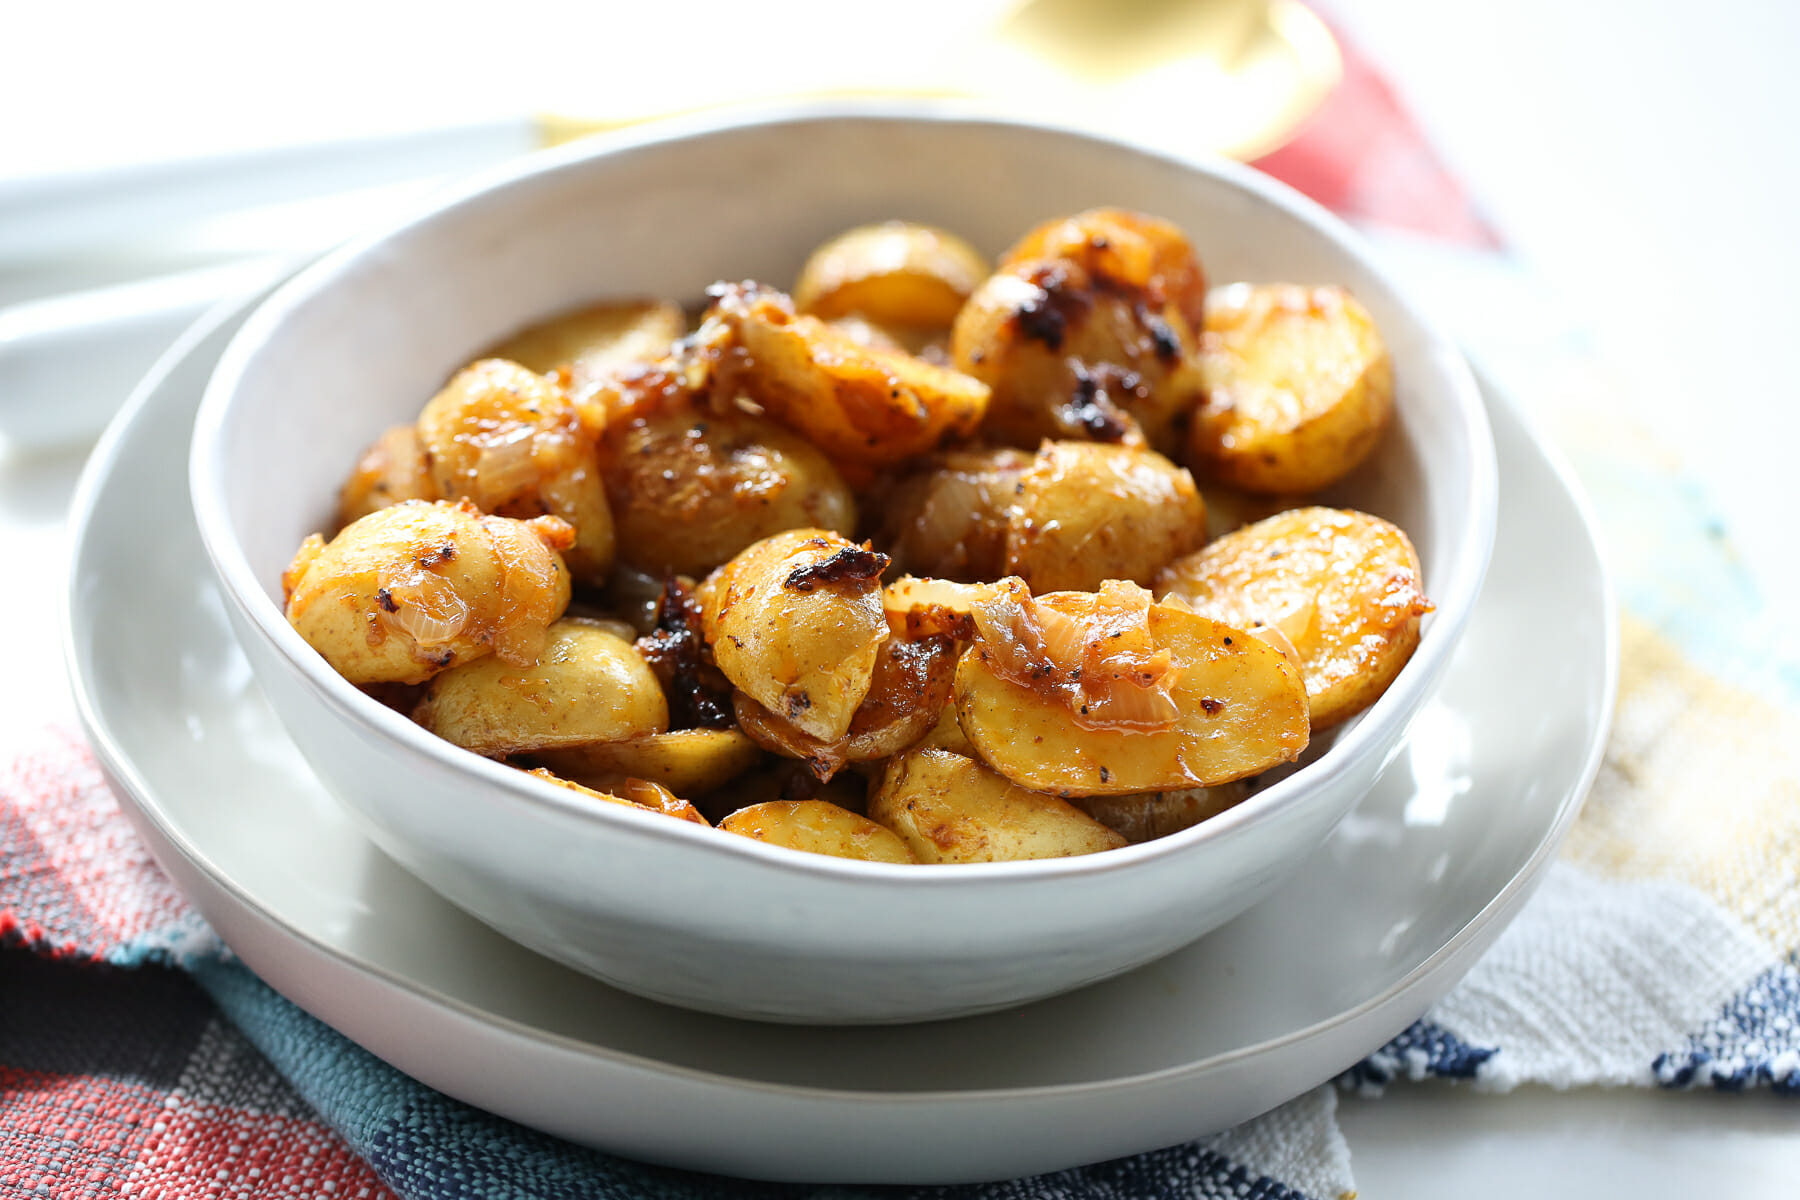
(948, 808)
(391, 470)
(857, 404)
(686, 761)
(907, 695)
(948, 520)
(416, 588)
(796, 623)
(818, 827)
(896, 273)
(1341, 587)
(587, 686)
(1148, 815)
(1085, 512)
(689, 489)
(512, 442)
(633, 793)
(1127, 250)
(1298, 388)
(593, 340)
(1085, 695)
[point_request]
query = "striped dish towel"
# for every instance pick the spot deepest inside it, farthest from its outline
(137, 1057)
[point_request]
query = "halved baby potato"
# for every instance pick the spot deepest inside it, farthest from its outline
(795, 622)
(392, 470)
(587, 686)
(633, 793)
(690, 489)
(948, 808)
(591, 340)
(1342, 587)
(892, 273)
(818, 827)
(1224, 704)
(1298, 387)
(686, 761)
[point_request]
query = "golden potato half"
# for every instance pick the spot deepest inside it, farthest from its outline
(417, 588)
(592, 340)
(795, 622)
(948, 808)
(893, 273)
(818, 827)
(1298, 388)
(1224, 705)
(632, 793)
(688, 762)
(1342, 587)
(393, 469)
(689, 490)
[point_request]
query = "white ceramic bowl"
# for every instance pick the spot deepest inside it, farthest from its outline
(691, 916)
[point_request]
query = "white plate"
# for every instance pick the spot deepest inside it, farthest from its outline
(1381, 921)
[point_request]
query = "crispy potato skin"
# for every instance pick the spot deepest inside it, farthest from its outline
(416, 588)
(1146, 816)
(1086, 512)
(592, 340)
(818, 827)
(1242, 710)
(632, 793)
(587, 686)
(893, 273)
(858, 404)
(688, 762)
(948, 808)
(1342, 586)
(1298, 388)
(512, 442)
(393, 469)
(1128, 250)
(690, 489)
(804, 651)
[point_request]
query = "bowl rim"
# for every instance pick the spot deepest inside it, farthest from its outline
(1461, 573)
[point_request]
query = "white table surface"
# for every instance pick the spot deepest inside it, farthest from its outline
(1641, 159)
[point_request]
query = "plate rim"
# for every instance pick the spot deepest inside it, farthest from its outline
(142, 797)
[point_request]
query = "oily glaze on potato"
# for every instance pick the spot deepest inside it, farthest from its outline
(511, 441)
(1342, 587)
(587, 685)
(1050, 698)
(795, 622)
(818, 827)
(858, 404)
(1298, 388)
(633, 793)
(1128, 250)
(393, 469)
(690, 489)
(590, 341)
(896, 273)
(416, 588)
(688, 762)
(1085, 512)
(948, 520)
(948, 808)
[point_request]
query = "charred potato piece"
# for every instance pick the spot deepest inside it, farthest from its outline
(689, 490)
(414, 589)
(858, 404)
(948, 808)
(818, 827)
(1084, 513)
(633, 793)
(1149, 815)
(1298, 388)
(1127, 250)
(796, 623)
(893, 273)
(686, 761)
(592, 340)
(587, 686)
(392, 470)
(510, 441)
(1342, 587)
(1085, 695)
(907, 695)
